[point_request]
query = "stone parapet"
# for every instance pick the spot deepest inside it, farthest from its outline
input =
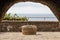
(15, 26)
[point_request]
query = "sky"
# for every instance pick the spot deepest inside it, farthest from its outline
(29, 8)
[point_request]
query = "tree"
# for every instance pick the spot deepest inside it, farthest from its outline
(7, 16)
(24, 18)
(14, 17)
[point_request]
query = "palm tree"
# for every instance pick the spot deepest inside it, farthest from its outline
(7, 16)
(15, 17)
(24, 18)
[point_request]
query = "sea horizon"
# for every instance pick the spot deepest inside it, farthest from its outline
(39, 17)
(35, 15)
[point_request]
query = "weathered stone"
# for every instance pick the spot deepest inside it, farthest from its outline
(29, 29)
(41, 25)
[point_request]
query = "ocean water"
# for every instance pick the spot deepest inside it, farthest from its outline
(39, 17)
(36, 15)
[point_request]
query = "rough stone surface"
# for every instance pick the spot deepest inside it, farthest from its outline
(38, 36)
(41, 26)
(29, 29)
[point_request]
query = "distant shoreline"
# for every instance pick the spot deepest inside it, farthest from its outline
(35, 15)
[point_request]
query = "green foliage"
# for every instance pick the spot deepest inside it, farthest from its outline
(7, 16)
(24, 18)
(14, 17)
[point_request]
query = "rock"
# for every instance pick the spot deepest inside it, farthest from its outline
(29, 29)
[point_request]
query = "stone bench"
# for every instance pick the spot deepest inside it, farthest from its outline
(29, 29)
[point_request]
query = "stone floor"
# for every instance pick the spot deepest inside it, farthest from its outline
(38, 36)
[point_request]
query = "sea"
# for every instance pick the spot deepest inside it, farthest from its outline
(39, 17)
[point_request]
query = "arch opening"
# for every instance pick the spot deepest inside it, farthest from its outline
(37, 10)
(9, 3)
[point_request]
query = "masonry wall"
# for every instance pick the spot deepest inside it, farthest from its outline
(15, 26)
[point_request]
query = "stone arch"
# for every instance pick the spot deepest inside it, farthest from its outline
(5, 5)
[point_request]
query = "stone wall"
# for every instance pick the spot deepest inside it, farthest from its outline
(15, 26)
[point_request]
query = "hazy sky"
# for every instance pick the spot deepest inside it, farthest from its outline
(29, 8)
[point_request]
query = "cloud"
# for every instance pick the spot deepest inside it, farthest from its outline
(29, 8)
(24, 4)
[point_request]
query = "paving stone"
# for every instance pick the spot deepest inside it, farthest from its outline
(38, 36)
